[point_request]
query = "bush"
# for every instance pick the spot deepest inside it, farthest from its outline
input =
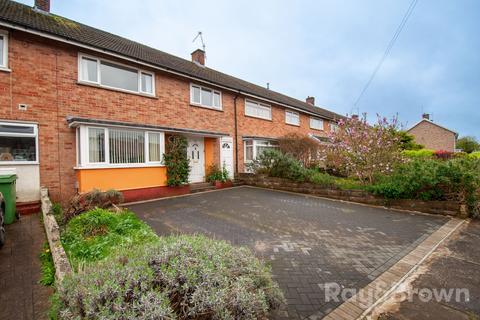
(418, 154)
(276, 164)
(215, 174)
(179, 277)
(443, 154)
(90, 200)
(176, 161)
(95, 234)
(428, 179)
(474, 155)
(301, 147)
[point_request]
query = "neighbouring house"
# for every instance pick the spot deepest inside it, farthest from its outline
(82, 108)
(432, 135)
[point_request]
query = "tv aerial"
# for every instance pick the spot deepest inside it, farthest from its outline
(200, 36)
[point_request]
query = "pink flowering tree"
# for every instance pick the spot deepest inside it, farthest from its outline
(362, 151)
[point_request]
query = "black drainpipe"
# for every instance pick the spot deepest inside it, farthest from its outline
(236, 133)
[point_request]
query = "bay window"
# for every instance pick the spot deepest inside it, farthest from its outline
(114, 147)
(255, 147)
(114, 75)
(205, 97)
(18, 143)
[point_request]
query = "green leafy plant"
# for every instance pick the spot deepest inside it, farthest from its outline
(184, 277)
(407, 141)
(176, 161)
(57, 212)
(47, 266)
(215, 174)
(97, 233)
(468, 144)
(277, 164)
(418, 154)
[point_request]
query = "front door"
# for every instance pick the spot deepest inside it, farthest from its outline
(196, 157)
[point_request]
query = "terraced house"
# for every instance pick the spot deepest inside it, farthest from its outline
(81, 108)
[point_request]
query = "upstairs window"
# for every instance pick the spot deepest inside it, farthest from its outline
(316, 123)
(3, 49)
(116, 76)
(333, 127)
(258, 110)
(18, 143)
(292, 117)
(205, 97)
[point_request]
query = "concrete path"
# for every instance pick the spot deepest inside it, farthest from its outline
(21, 296)
(310, 242)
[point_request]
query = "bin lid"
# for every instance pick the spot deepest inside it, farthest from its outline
(7, 171)
(8, 178)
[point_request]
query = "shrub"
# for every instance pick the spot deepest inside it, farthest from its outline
(443, 154)
(428, 179)
(418, 154)
(322, 179)
(95, 234)
(276, 164)
(474, 155)
(185, 277)
(90, 200)
(215, 174)
(176, 161)
(301, 147)
(407, 141)
(468, 144)
(47, 267)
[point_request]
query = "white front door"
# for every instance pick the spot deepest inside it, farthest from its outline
(226, 154)
(196, 156)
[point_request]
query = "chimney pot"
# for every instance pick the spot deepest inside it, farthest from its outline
(310, 100)
(426, 116)
(198, 56)
(43, 5)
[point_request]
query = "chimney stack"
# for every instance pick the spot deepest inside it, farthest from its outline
(310, 100)
(426, 116)
(198, 56)
(43, 5)
(355, 116)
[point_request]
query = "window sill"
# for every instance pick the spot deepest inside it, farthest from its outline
(4, 69)
(16, 163)
(122, 166)
(291, 124)
(253, 117)
(205, 107)
(321, 130)
(88, 84)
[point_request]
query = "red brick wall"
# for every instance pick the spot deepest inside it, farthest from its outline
(44, 76)
(433, 137)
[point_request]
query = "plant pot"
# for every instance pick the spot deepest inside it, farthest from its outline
(221, 185)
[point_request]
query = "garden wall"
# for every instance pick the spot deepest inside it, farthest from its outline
(436, 207)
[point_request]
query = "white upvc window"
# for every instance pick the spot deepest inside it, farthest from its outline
(18, 143)
(333, 127)
(316, 123)
(255, 147)
(258, 110)
(114, 75)
(119, 147)
(205, 97)
(292, 117)
(3, 49)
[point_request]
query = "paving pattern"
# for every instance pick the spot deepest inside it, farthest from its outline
(21, 296)
(310, 242)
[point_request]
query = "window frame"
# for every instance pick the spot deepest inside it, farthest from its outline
(317, 119)
(98, 83)
(4, 65)
(295, 113)
(29, 135)
(83, 161)
(256, 143)
(259, 104)
(192, 102)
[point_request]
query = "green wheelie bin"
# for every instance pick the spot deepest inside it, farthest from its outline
(8, 189)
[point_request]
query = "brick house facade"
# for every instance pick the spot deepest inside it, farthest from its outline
(54, 122)
(433, 136)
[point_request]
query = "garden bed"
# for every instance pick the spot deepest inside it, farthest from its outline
(360, 196)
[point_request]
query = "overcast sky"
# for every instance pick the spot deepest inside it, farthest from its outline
(326, 49)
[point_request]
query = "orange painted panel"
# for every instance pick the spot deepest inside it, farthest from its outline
(209, 152)
(121, 178)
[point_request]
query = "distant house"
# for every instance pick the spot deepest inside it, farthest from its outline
(432, 135)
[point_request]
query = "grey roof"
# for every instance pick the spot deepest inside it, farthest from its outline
(26, 17)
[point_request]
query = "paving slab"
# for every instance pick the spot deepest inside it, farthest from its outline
(310, 242)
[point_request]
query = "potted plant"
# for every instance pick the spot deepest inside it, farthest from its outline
(219, 178)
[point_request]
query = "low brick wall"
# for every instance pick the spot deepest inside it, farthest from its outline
(436, 207)
(60, 260)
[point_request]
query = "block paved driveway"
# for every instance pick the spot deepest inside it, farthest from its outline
(308, 241)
